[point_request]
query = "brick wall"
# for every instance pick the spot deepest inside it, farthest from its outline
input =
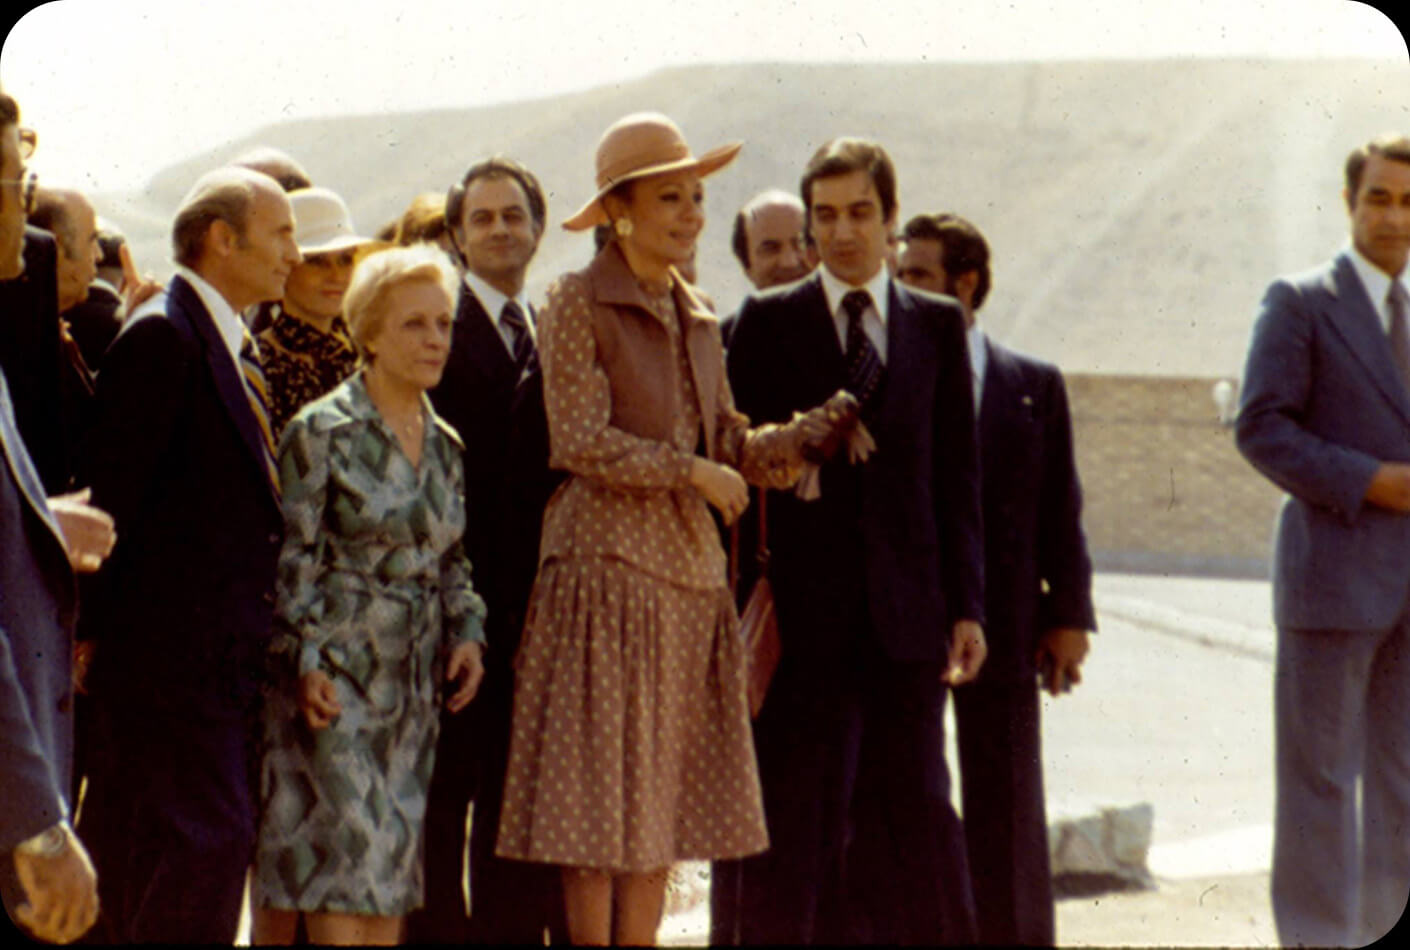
(1164, 488)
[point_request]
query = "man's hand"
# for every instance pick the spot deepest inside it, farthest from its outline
(1390, 487)
(467, 665)
(967, 652)
(1060, 655)
(318, 699)
(136, 289)
(88, 532)
(61, 891)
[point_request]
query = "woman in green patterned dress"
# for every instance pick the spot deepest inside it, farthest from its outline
(375, 610)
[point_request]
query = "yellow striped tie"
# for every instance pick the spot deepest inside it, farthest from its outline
(258, 391)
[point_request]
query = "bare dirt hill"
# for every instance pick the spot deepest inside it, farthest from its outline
(1136, 209)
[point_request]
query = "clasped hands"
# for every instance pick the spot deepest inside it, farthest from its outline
(318, 696)
(818, 434)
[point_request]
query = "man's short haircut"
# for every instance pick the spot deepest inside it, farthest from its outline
(53, 212)
(224, 194)
(962, 247)
(497, 166)
(281, 166)
(9, 111)
(739, 240)
(845, 155)
(1392, 145)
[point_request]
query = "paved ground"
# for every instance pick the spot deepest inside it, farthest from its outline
(1175, 709)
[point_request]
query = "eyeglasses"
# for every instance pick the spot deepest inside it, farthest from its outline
(29, 141)
(28, 182)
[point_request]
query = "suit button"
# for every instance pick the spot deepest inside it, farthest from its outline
(65, 702)
(268, 596)
(273, 538)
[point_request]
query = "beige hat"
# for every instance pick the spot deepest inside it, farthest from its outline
(322, 222)
(641, 144)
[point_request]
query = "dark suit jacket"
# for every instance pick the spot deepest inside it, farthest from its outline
(182, 609)
(1036, 569)
(1321, 407)
(37, 613)
(894, 546)
(475, 395)
(33, 362)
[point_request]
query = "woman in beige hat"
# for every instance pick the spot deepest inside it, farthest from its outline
(631, 747)
(304, 344)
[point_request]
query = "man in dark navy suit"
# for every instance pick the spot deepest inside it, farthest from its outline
(492, 394)
(1038, 592)
(878, 583)
(182, 458)
(1325, 414)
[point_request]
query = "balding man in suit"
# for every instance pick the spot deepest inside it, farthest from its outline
(182, 456)
(1325, 415)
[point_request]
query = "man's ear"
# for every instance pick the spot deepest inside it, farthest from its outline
(1349, 198)
(221, 238)
(965, 286)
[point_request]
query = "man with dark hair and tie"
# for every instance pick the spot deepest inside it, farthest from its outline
(878, 582)
(1037, 586)
(492, 394)
(182, 456)
(1324, 414)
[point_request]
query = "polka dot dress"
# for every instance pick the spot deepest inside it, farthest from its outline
(631, 746)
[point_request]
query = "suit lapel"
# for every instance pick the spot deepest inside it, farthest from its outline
(1352, 315)
(481, 347)
(185, 304)
(22, 469)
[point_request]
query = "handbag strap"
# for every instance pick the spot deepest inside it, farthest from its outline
(761, 550)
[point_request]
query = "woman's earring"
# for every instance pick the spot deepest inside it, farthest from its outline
(623, 227)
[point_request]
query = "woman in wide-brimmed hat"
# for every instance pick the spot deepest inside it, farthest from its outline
(631, 747)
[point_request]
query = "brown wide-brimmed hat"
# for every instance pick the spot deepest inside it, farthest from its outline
(641, 144)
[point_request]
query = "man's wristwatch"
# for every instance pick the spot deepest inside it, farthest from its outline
(49, 843)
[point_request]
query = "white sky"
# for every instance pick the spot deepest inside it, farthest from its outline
(120, 88)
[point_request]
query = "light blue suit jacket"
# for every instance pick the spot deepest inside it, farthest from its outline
(38, 601)
(1322, 406)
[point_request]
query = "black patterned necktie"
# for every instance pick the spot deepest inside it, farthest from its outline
(257, 391)
(865, 371)
(1399, 309)
(522, 343)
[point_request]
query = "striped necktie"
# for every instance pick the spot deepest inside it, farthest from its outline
(865, 371)
(257, 390)
(523, 343)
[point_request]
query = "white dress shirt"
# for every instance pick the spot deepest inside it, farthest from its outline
(978, 361)
(227, 321)
(873, 320)
(493, 301)
(1377, 283)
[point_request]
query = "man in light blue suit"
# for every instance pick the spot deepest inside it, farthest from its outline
(1325, 414)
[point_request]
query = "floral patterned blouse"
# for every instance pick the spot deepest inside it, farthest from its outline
(300, 362)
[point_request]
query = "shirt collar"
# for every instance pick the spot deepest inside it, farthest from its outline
(493, 300)
(1376, 282)
(227, 321)
(878, 288)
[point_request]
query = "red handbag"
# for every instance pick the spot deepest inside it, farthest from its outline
(758, 624)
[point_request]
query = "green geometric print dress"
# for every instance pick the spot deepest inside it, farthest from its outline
(374, 589)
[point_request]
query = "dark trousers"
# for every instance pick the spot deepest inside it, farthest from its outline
(1005, 821)
(839, 737)
(510, 901)
(169, 821)
(1341, 874)
(444, 918)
